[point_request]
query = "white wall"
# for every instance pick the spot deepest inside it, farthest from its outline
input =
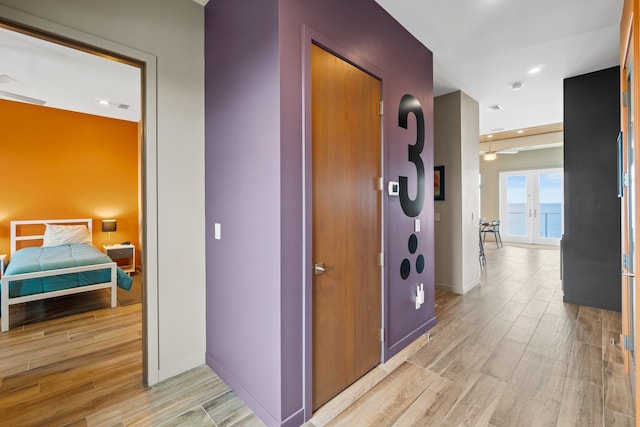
(525, 160)
(470, 135)
(173, 32)
(456, 139)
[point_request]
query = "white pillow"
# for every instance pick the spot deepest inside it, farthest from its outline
(56, 235)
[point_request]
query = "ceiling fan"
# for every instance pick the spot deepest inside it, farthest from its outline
(492, 155)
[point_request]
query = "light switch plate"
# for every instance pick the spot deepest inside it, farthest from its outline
(436, 216)
(217, 231)
(416, 224)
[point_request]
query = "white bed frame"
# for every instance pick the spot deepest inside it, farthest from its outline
(6, 279)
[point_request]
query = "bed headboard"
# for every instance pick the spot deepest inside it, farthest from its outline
(19, 235)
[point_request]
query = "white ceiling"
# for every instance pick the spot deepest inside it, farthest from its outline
(480, 47)
(67, 78)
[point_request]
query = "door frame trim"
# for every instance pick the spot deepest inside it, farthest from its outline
(149, 172)
(311, 36)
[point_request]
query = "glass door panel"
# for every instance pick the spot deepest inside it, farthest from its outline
(515, 224)
(549, 209)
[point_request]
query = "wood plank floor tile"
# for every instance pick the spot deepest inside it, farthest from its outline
(553, 337)
(611, 321)
(331, 409)
(535, 308)
(250, 421)
(403, 355)
(589, 330)
(78, 423)
(516, 409)
(585, 363)
(226, 409)
(612, 346)
(388, 399)
(478, 404)
(533, 394)
(617, 389)
(512, 310)
(194, 417)
(581, 405)
(523, 328)
(169, 406)
(504, 359)
(433, 405)
(475, 351)
(616, 419)
(590, 313)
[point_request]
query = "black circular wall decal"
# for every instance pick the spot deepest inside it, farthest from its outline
(420, 264)
(413, 243)
(405, 268)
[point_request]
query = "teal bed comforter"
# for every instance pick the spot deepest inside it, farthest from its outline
(28, 260)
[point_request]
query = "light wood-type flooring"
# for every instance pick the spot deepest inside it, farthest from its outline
(509, 353)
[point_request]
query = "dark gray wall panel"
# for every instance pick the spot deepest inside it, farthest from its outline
(591, 245)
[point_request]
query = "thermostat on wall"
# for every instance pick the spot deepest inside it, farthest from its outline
(394, 188)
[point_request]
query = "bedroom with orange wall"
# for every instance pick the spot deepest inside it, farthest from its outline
(58, 164)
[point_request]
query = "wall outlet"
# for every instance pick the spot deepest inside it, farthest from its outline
(436, 216)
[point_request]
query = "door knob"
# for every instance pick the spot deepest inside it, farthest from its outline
(320, 268)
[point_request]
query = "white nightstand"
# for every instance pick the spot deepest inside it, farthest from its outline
(126, 252)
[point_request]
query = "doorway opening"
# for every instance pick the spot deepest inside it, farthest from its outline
(144, 144)
(532, 206)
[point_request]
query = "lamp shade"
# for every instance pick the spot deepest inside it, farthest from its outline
(109, 225)
(491, 155)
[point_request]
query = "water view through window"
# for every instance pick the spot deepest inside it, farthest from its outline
(534, 200)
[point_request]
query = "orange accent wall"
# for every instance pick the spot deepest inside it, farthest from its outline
(61, 164)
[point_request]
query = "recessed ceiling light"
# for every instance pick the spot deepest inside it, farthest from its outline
(489, 136)
(520, 131)
(536, 69)
(108, 103)
(516, 86)
(498, 129)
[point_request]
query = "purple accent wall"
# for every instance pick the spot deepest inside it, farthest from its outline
(258, 183)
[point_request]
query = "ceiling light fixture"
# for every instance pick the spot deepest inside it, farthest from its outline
(535, 70)
(490, 155)
(520, 131)
(103, 102)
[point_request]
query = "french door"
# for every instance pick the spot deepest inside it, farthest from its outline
(532, 206)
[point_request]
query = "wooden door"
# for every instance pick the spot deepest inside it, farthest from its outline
(346, 224)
